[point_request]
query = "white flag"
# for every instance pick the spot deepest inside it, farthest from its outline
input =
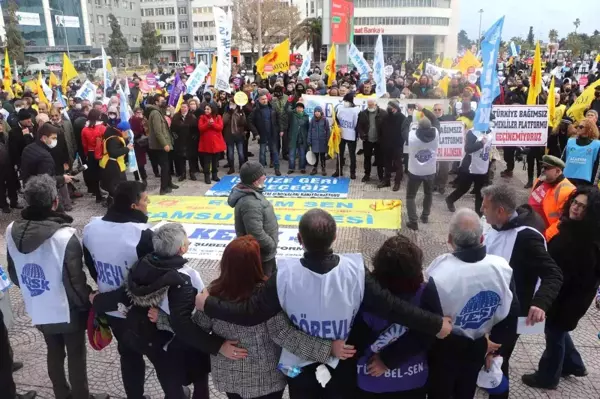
(106, 80)
(379, 68)
(305, 65)
(358, 60)
(197, 78)
(224, 25)
(47, 90)
(87, 91)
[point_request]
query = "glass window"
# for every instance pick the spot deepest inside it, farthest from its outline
(160, 26)
(170, 10)
(131, 6)
(172, 40)
(100, 19)
(133, 22)
(182, 10)
(98, 3)
(134, 39)
(162, 40)
(101, 38)
(116, 3)
(183, 39)
(149, 12)
(91, 19)
(171, 25)
(160, 11)
(183, 24)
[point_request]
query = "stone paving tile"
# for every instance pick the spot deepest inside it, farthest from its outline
(104, 368)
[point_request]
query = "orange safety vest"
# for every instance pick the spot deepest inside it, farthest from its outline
(553, 203)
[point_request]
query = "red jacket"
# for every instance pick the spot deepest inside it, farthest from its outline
(211, 135)
(89, 136)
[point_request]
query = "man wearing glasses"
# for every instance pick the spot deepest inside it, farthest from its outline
(549, 193)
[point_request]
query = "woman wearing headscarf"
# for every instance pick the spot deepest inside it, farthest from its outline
(576, 250)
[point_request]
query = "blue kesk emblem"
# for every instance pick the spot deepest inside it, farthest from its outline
(34, 279)
(424, 156)
(478, 310)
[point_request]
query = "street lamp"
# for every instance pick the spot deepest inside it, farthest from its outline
(64, 28)
(479, 36)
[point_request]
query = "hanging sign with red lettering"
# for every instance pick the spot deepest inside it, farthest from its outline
(520, 125)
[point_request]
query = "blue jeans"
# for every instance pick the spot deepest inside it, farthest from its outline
(262, 156)
(231, 148)
(301, 153)
(560, 356)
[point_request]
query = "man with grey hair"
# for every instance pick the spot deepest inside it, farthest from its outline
(369, 128)
(45, 261)
(477, 291)
(423, 145)
(515, 235)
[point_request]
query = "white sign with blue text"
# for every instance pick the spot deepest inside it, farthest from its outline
(208, 241)
(290, 186)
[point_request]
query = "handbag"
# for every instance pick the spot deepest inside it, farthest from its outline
(98, 331)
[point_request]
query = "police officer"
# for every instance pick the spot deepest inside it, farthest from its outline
(111, 245)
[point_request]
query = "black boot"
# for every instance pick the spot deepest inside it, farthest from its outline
(182, 177)
(215, 177)
(193, 176)
(206, 178)
(231, 171)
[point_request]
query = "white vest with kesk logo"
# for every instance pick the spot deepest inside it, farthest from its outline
(476, 295)
(40, 275)
(422, 156)
(113, 247)
(480, 159)
(322, 305)
(196, 281)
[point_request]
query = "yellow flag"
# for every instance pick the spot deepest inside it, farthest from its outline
(330, 66)
(444, 83)
(276, 61)
(468, 61)
(68, 72)
(179, 102)
(598, 58)
(40, 91)
(535, 82)
(583, 102)
(213, 70)
(7, 73)
(551, 103)
(417, 74)
(335, 137)
(447, 63)
(53, 80)
(438, 61)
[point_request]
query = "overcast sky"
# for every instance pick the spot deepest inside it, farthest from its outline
(543, 15)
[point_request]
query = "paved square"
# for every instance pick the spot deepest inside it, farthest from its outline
(103, 367)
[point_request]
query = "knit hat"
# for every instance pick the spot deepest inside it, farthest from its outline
(349, 97)
(250, 172)
(553, 161)
(394, 104)
(24, 115)
(124, 125)
(300, 104)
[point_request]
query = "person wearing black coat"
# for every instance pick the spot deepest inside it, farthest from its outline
(162, 281)
(370, 136)
(113, 160)
(8, 177)
(184, 128)
(529, 258)
(20, 136)
(576, 250)
(392, 145)
(37, 159)
(264, 123)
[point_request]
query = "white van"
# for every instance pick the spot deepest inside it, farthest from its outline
(176, 65)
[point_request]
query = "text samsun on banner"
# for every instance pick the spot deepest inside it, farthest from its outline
(520, 125)
(209, 241)
(363, 213)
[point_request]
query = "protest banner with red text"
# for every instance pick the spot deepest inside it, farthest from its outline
(520, 125)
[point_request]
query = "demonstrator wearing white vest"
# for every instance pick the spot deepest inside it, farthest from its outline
(45, 261)
(111, 245)
(515, 236)
(321, 294)
(477, 291)
(423, 145)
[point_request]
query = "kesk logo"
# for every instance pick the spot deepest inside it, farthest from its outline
(34, 279)
(424, 156)
(478, 310)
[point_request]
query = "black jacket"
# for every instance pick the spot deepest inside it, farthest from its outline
(37, 160)
(112, 174)
(183, 131)
(35, 227)
(78, 125)
(108, 301)
(17, 143)
(530, 260)
(152, 279)
(378, 301)
(471, 145)
(576, 250)
(392, 141)
(363, 124)
(258, 126)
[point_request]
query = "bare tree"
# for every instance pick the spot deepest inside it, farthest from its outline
(277, 19)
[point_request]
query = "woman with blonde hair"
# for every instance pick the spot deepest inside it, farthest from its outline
(582, 154)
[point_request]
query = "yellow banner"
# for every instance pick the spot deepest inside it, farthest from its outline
(277, 60)
(362, 213)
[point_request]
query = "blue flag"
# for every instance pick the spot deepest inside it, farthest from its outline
(490, 87)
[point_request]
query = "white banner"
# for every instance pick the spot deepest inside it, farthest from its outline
(197, 78)
(328, 104)
(357, 59)
(437, 72)
(87, 91)
(378, 68)
(452, 141)
(28, 18)
(520, 125)
(66, 21)
(105, 71)
(224, 25)
(209, 241)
